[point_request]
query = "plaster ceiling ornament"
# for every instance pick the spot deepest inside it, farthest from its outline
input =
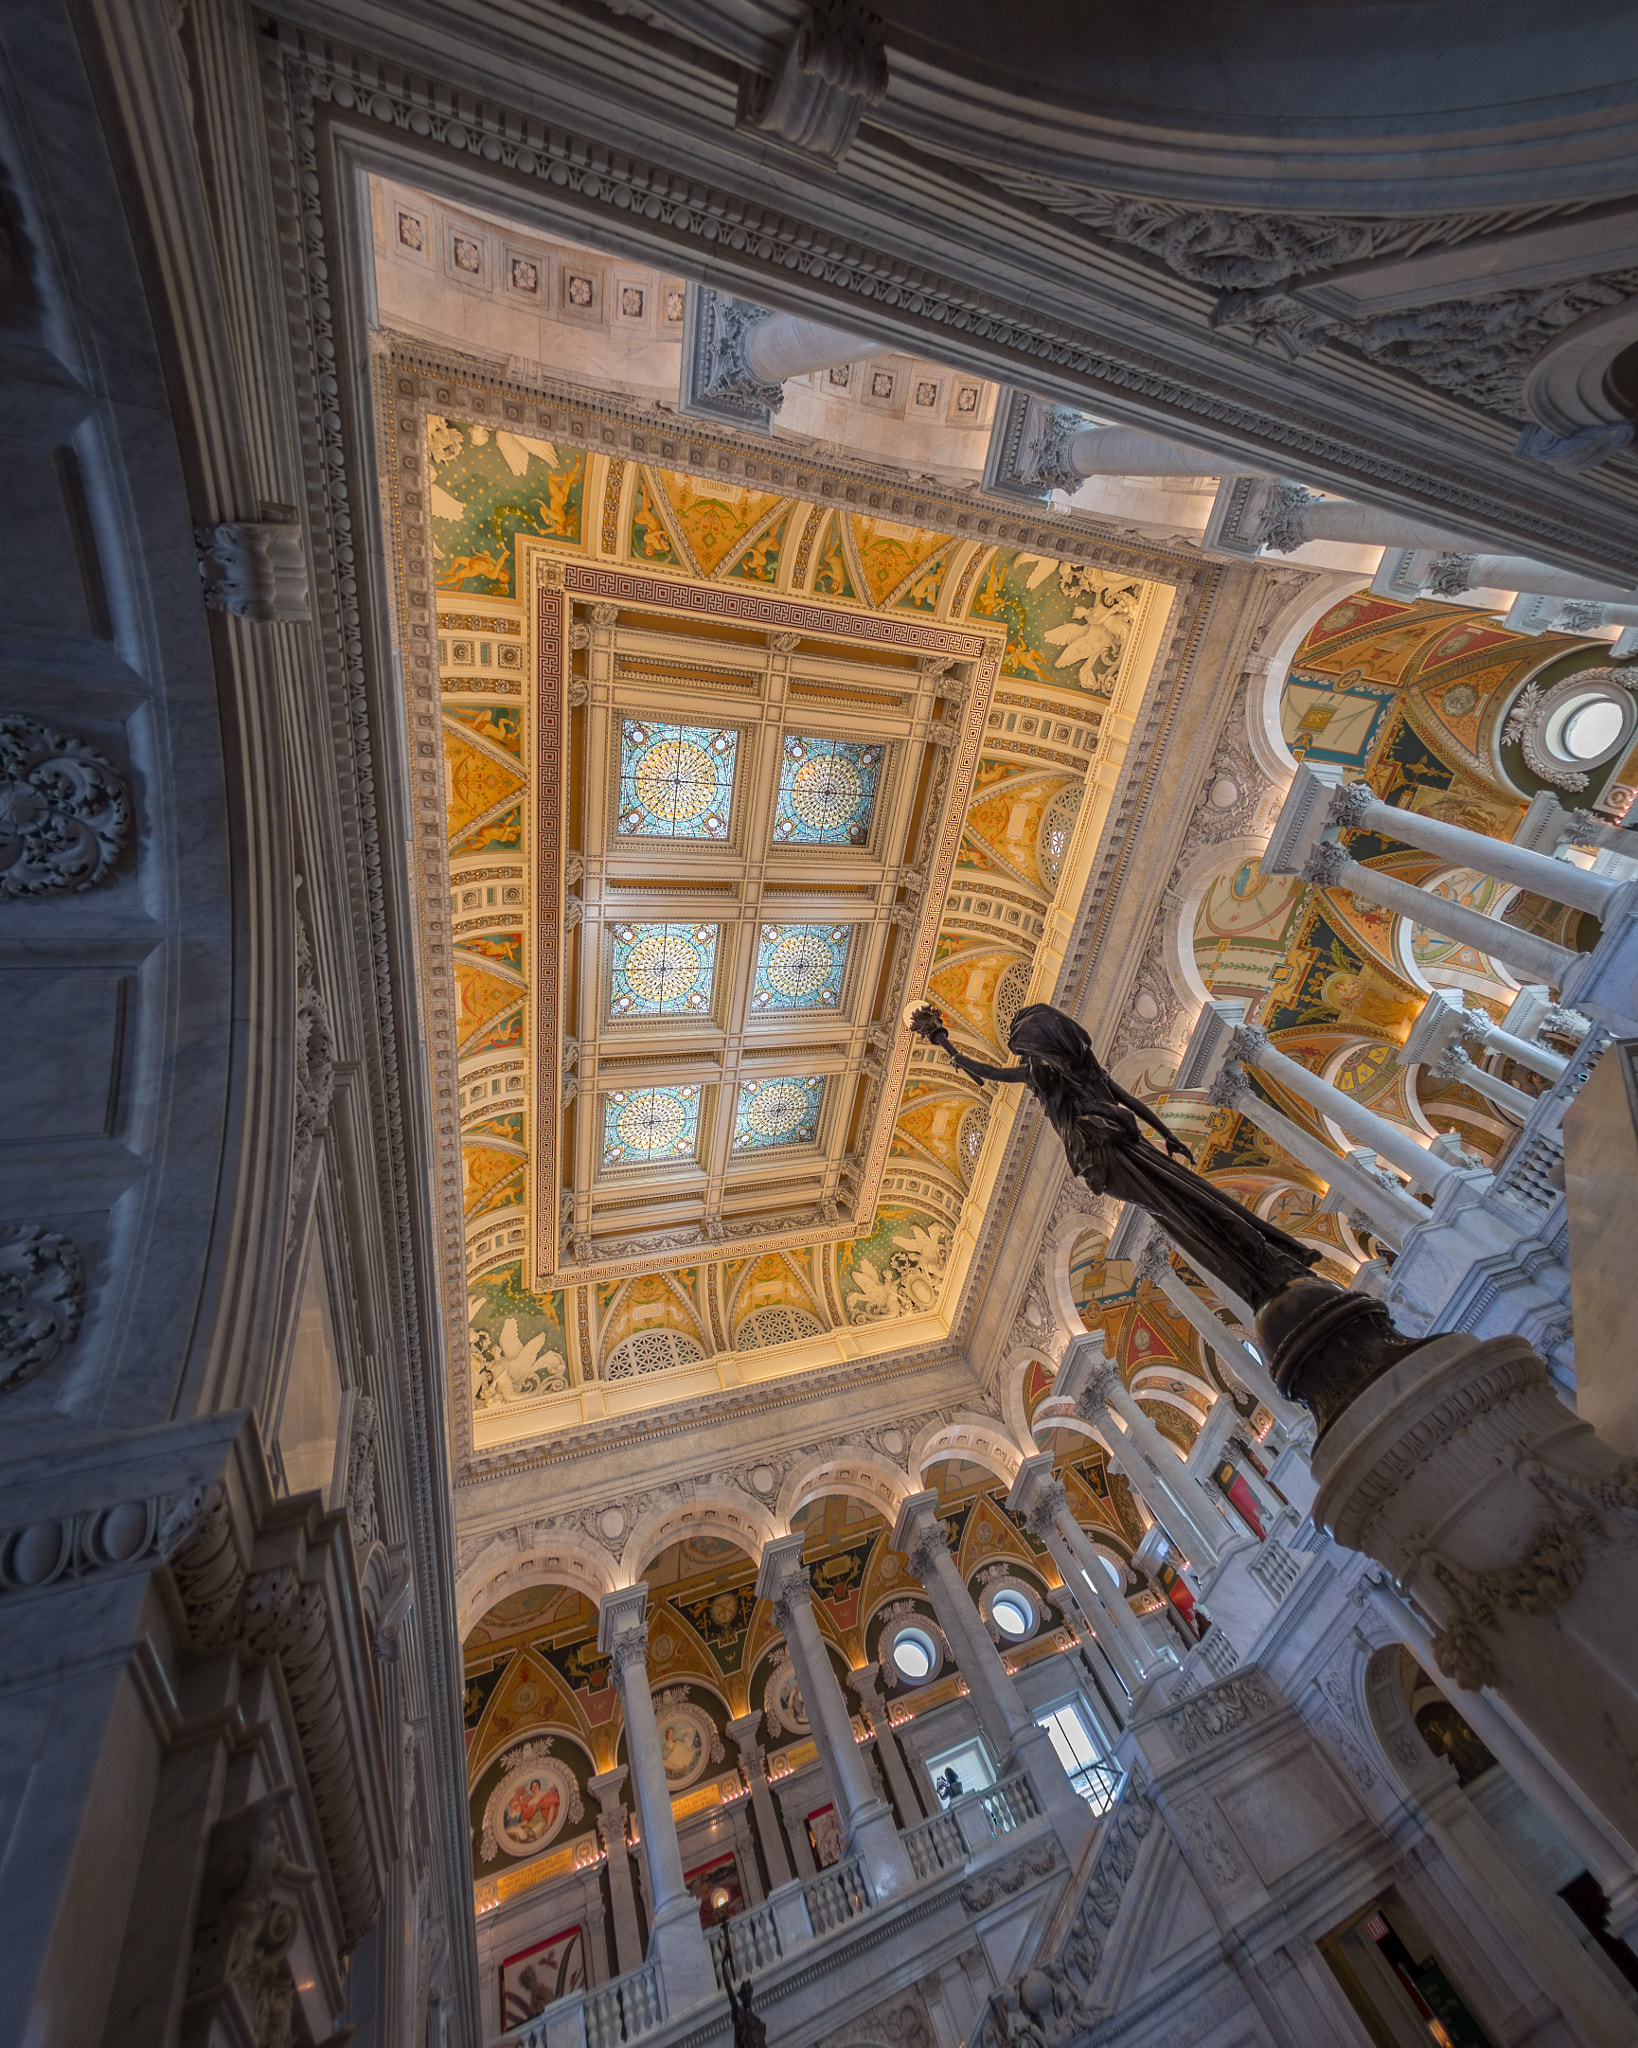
(42, 1299)
(257, 570)
(535, 1799)
(908, 1284)
(65, 815)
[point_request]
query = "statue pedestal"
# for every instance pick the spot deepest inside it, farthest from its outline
(1515, 1530)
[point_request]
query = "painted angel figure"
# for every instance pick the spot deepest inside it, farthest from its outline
(1100, 1126)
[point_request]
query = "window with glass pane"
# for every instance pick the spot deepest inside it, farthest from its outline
(1093, 1776)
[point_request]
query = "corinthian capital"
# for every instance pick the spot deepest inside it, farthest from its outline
(1248, 1044)
(1154, 1262)
(628, 1652)
(1229, 1088)
(1050, 1501)
(1327, 866)
(930, 1547)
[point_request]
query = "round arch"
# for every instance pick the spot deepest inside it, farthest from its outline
(973, 1438)
(549, 1559)
(1284, 634)
(1193, 885)
(727, 1514)
(1014, 1374)
(853, 1470)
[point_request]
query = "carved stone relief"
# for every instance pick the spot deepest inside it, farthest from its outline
(42, 1298)
(65, 814)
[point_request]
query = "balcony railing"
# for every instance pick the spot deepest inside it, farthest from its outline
(936, 1844)
(751, 1940)
(1008, 1805)
(836, 1896)
(622, 2010)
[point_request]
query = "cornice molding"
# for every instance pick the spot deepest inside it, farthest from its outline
(1133, 343)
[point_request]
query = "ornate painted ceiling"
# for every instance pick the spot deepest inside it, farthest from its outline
(731, 774)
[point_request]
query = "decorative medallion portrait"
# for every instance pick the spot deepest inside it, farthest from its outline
(687, 1739)
(783, 1701)
(530, 1805)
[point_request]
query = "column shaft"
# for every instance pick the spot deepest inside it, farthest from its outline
(867, 1684)
(611, 1808)
(676, 1939)
(1370, 526)
(789, 346)
(1391, 1211)
(1128, 451)
(1540, 1059)
(1560, 881)
(745, 1736)
(1202, 1542)
(1532, 958)
(866, 1820)
(1455, 1065)
(1233, 1352)
(1391, 1140)
(1135, 1646)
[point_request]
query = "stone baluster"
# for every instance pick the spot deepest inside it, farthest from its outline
(1401, 1147)
(867, 1820)
(1002, 1715)
(676, 1939)
(1386, 1207)
(866, 1682)
(1233, 1353)
(746, 1736)
(606, 1789)
(1196, 1525)
(1038, 1495)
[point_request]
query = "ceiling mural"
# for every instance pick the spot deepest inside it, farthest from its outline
(730, 775)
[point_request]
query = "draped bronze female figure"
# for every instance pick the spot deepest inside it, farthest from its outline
(1100, 1126)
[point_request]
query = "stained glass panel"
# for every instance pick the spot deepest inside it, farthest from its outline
(644, 1125)
(783, 1112)
(661, 970)
(676, 781)
(827, 791)
(800, 966)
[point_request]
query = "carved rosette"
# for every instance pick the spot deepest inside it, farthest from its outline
(65, 815)
(42, 1299)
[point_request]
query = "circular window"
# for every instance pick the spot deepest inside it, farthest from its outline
(1580, 723)
(915, 1655)
(1587, 728)
(1011, 1614)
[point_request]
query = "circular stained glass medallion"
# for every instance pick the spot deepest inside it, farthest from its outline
(801, 963)
(650, 1121)
(826, 792)
(778, 1107)
(662, 966)
(677, 780)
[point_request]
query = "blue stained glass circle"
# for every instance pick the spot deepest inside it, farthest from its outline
(801, 963)
(826, 791)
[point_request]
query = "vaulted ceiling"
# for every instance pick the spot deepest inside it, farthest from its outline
(732, 774)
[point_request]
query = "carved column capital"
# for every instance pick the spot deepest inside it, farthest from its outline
(628, 1652)
(1154, 1262)
(1229, 1089)
(1327, 866)
(1248, 1044)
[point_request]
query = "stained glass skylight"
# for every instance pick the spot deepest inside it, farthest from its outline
(676, 781)
(827, 791)
(650, 1125)
(800, 966)
(661, 970)
(783, 1112)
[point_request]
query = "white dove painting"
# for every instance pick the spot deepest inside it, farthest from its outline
(509, 1367)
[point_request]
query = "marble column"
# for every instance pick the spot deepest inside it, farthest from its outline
(1510, 1524)
(746, 1736)
(1233, 1353)
(1128, 451)
(676, 1939)
(867, 1821)
(1038, 1495)
(1455, 1063)
(1005, 1720)
(1445, 1022)
(1155, 1467)
(786, 345)
(1453, 570)
(866, 1682)
(1389, 1210)
(1532, 958)
(1355, 808)
(606, 1789)
(1392, 1141)
(1291, 515)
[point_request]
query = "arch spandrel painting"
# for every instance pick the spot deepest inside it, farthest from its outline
(696, 730)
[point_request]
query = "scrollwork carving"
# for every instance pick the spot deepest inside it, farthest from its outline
(64, 812)
(42, 1300)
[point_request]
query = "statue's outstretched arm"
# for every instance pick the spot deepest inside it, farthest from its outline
(1142, 1109)
(928, 1023)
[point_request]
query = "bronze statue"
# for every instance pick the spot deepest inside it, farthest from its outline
(750, 2029)
(1100, 1126)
